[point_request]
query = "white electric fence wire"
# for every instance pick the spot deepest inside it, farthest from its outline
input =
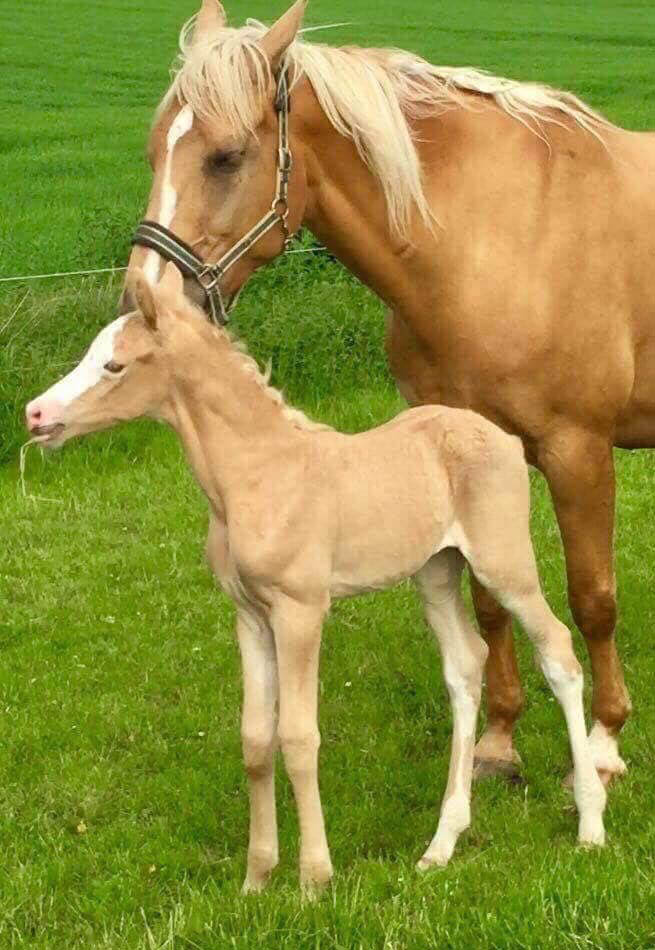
(116, 270)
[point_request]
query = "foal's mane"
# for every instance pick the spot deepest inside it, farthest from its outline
(238, 352)
(367, 94)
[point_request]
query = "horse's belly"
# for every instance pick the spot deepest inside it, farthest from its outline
(635, 427)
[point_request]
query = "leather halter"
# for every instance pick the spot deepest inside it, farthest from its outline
(155, 236)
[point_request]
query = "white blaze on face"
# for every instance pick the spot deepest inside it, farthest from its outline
(180, 125)
(90, 371)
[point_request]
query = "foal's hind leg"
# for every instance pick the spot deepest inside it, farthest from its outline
(552, 641)
(507, 567)
(463, 654)
(580, 472)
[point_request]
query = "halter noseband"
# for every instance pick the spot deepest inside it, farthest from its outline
(155, 236)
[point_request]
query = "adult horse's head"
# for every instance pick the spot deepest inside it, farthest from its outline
(215, 150)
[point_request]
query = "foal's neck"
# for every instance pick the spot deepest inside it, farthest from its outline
(230, 421)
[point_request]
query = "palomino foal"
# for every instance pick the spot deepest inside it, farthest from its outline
(300, 515)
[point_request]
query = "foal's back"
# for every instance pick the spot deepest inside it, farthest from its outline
(404, 490)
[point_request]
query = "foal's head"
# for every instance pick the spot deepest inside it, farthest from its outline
(214, 147)
(126, 372)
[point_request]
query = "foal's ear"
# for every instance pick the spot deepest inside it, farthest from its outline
(172, 281)
(210, 17)
(145, 298)
(281, 35)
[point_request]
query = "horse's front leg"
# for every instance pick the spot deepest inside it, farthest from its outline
(580, 472)
(495, 753)
(258, 734)
(297, 630)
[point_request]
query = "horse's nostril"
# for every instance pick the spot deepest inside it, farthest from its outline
(35, 414)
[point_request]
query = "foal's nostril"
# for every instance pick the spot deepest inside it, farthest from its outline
(33, 416)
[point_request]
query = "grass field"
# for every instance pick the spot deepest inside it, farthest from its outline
(123, 812)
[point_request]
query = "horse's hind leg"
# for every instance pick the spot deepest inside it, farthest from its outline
(463, 653)
(495, 753)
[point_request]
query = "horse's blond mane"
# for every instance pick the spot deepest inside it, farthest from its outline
(367, 94)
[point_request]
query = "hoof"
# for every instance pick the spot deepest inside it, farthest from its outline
(592, 833)
(509, 769)
(314, 880)
(254, 885)
(261, 863)
(431, 863)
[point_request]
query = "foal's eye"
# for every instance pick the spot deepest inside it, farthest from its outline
(113, 367)
(225, 160)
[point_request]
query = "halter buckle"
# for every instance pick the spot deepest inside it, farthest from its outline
(214, 275)
(284, 159)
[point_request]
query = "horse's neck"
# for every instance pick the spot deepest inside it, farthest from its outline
(228, 424)
(346, 207)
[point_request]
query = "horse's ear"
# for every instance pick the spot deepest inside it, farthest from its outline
(210, 17)
(145, 298)
(172, 281)
(281, 35)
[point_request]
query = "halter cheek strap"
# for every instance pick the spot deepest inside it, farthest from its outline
(155, 236)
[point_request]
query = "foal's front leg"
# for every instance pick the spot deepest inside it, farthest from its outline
(258, 733)
(297, 630)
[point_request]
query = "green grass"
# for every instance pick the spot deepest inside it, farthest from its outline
(123, 813)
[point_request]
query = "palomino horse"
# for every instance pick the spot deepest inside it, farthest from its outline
(301, 515)
(509, 228)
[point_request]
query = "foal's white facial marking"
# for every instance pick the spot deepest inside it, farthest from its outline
(180, 125)
(90, 370)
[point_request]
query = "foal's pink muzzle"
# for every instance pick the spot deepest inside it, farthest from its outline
(43, 417)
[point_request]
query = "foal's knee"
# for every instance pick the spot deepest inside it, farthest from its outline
(300, 750)
(258, 753)
(594, 611)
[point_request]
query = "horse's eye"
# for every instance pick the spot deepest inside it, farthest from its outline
(227, 160)
(113, 367)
